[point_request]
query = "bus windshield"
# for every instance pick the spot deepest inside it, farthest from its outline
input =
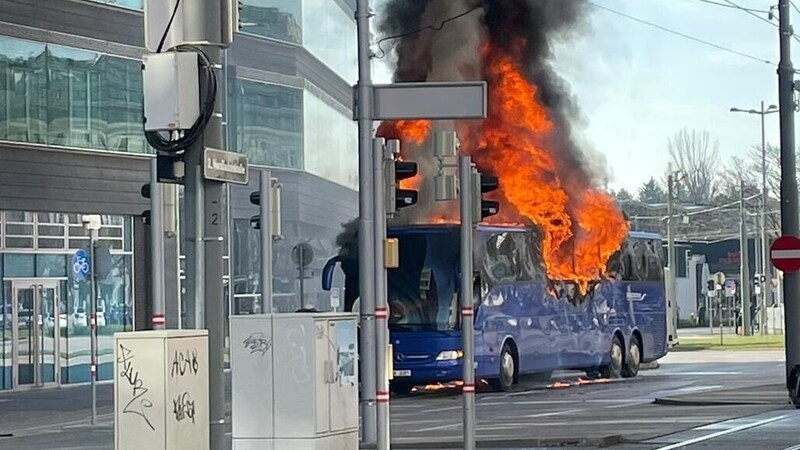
(423, 292)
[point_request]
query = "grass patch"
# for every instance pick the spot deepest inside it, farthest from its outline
(730, 342)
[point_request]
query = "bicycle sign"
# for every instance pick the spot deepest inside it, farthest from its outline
(81, 265)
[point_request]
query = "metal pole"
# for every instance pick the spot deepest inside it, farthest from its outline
(38, 323)
(744, 271)
(93, 322)
(195, 245)
(671, 256)
(302, 276)
(467, 330)
(758, 268)
(381, 310)
(766, 286)
(789, 217)
(265, 213)
(366, 230)
(157, 266)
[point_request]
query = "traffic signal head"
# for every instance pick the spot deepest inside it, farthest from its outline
(405, 197)
(489, 183)
(146, 194)
(394, 172)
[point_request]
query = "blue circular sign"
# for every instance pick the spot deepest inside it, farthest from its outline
(81, 265)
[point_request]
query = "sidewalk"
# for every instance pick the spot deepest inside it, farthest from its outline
(768, 394)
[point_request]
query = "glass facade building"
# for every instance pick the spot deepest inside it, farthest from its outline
(71, 106)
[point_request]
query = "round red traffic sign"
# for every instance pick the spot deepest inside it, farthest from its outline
(785, 253)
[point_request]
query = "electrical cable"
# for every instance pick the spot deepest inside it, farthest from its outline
(169, 26)
(428, 27)
(795, 7)
(711, 2)
(181, 143)
(683, 35)
(734, 5)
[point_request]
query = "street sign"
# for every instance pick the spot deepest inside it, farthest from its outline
(730, 288)
(431, 101)
(719, 279)
(302, 254)
(81, 265)
(227, 167)
(785, 253)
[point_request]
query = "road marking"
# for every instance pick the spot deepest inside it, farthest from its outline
(708, 437)
(700, 374)
(437, 428)
(794, 447)
(554, 413)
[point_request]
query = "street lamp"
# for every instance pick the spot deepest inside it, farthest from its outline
(767, 286)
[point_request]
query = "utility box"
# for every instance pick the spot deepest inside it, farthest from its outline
(294, 381)
(171, 83)
(161, 390)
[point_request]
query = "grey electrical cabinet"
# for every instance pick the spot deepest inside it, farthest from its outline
(294, 381)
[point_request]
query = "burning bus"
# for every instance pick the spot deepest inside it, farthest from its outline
(560, 281)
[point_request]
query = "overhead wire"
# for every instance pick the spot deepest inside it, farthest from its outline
(711, 2)
(683, 35)
(436, 27)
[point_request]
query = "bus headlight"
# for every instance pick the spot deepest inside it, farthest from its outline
(449, 355)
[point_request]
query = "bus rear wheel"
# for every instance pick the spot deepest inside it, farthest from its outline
(614, 367)
(634, 359)
(508, 370)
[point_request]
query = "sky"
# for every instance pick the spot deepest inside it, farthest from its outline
(638, 85)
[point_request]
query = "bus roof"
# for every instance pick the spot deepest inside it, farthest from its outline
(644, 235)
(491, 227)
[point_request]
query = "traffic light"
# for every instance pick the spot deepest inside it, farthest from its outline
(489, 183)
(481, 185)
(274, 205)
(396, 171)
(146, 194)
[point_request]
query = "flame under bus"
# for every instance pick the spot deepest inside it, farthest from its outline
(524, 323)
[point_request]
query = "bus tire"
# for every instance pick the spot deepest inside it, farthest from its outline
(614, 367)
(634, 359)
(508, 370)
(400, 388)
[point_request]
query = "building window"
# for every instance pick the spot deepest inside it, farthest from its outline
(276, 19)
(132, 4)
(267, 123)
(62, 96)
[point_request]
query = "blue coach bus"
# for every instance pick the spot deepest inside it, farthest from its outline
(525, 324)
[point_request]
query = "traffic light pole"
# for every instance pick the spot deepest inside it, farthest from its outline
(745, 264)
(366, 228)
(157, 267)
(671, 259)
(467, 330)
(381, 306)
(265, 216)
(789, 216)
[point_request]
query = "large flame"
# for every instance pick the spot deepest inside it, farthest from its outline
(581, 225)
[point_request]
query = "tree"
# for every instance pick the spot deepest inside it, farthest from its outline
(693, 154)
(652, 192)
(623, 195)
(736, 171)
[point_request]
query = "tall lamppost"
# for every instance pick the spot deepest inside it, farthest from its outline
(765, 264)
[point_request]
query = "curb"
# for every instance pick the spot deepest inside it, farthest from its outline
(680, 402)
(605, 441)
(649, 366)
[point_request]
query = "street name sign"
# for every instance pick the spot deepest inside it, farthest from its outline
(430, 101)
(227, 167)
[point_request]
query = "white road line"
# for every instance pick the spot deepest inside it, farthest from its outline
(554, 413)
(708, 437)
(794, 447)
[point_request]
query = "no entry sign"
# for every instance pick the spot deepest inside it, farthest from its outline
(785, 253)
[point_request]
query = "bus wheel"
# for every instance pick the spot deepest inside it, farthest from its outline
(614, 367)
(508, 370)
(402, 388)
(634, 360)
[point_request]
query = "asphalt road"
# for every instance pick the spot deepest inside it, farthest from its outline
(702, 394)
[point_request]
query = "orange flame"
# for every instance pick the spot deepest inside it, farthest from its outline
(408, 131)
(519, 142)
(582, 227)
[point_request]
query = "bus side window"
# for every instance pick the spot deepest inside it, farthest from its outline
(655, 265)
